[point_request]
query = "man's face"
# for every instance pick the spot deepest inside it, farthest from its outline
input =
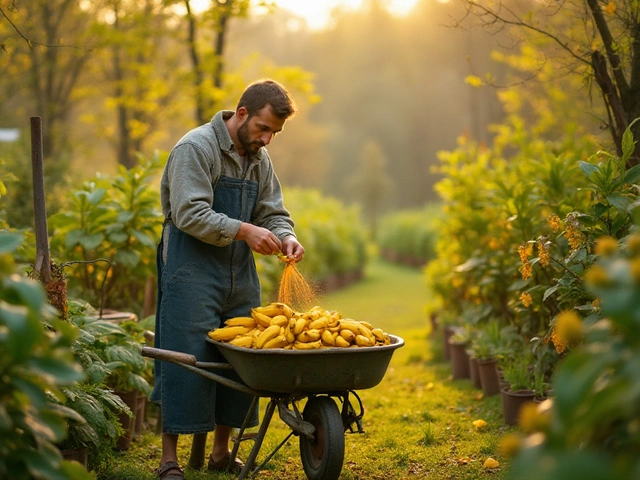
(258, 130)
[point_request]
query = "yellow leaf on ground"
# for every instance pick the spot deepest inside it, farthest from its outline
(491, 463)
(479, 424)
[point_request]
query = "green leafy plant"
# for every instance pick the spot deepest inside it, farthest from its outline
(517, 372)
(116, 219)
(36, 363)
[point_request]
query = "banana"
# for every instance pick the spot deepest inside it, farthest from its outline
(327, 338)
(268, 334)
(261, 318)
(285, 309)
(240, 322)
(363, 341)
(227, 333)
(366, 324)
(280, 320)
(270, 310)
(301, 324)
(341, 342)
(289, 334)
(242, 341)
(308, 345)
(278, 342)
(351, 325)
(348, 335)
(319, 324)
(308, 336)
(379, 334)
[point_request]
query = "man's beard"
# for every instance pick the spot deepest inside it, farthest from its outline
(248, 146)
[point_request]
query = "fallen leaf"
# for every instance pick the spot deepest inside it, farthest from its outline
(479, 424)
(491, 463)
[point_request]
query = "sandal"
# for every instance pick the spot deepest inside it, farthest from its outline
(170, 471)
(222, 465)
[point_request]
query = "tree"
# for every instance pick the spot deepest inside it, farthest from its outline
(371, 182)
(595, 39)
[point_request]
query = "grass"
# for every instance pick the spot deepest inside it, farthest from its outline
(418, 421)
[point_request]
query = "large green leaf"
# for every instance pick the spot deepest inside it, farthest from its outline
(59, 371)
(588, 168)
(144, 239)
(10, 241)
(92, 241)
(33, 390)
(26, 292)
(128, 258)
(96, 196)
(620, 202)
(574, 379)
(632, 175)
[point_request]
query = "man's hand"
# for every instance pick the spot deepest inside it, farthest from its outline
(292, 249)
(259, 239)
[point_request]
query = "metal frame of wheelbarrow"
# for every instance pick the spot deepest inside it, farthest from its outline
(290, 416)
(287, 376)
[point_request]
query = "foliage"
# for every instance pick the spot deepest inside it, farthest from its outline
(35, 364)
(117, 220)
(595, 412)
(410, 234)
(333, 235)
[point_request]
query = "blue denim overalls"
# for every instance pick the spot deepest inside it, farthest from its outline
(199, 287)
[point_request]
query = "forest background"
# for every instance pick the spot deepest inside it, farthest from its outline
(378, 93)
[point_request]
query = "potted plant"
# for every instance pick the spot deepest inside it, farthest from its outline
(520, 388)
(458, 344)
(484, 348)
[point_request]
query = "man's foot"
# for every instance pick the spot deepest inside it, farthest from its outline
(222, 464)
(170, 471)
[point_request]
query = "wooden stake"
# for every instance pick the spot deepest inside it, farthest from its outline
(43, 258)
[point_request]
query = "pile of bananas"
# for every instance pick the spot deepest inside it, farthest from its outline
(278, 326)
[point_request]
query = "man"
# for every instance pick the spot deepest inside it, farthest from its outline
(221, 200)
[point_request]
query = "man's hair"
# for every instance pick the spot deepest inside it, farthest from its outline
(267, 92)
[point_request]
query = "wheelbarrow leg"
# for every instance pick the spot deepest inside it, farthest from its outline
(198, 445)
(268, 415)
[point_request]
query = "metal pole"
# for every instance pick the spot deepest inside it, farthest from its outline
(42, 265)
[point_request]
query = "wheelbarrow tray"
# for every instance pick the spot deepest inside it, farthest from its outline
(310, 371)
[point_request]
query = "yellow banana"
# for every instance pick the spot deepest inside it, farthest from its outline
(285, 309)
(280, 320)
(227, 333)
(278, 342)
(341, 342)
(379, 334)
(319, 324)
(240, 322)
(308, 336)
(363, 341)
(289, 334)
(301, 324)
(270, 310)
(366, 324)
(261, 318)
(242, 341)
(348, 335)
(308, 345)
(327, 338)
(351, 325)
(268, 334)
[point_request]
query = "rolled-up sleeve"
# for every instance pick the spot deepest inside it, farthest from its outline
(190, 184)
(270, 212)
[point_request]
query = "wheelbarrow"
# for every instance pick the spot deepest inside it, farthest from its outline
(287, 377)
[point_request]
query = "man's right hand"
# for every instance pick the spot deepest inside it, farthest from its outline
(259, 239)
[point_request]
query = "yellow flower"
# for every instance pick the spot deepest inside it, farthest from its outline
(597, 276)
(606, 246)
(526, 269)
(525, 250)
(559, 344)
(633, 244)
(554, 222)
(610, 9)
(543, 252)
(531, 419)
(479, 424)
(526, 299)
(572, 232)
(491, 463)
(569, 327)
(510, 445)
(494, 243)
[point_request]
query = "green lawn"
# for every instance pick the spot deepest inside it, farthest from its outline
(418, 420)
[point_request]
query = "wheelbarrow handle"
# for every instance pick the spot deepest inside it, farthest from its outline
(168, 355)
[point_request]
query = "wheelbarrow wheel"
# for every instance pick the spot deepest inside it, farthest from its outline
(322, 457)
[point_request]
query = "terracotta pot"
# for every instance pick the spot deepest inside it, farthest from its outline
(512, 402)
(128, 423)
(474, 372)
(488, 374)
(80, 455)
(447, 332)
(459, 360)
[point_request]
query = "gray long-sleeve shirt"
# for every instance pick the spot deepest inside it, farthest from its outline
(194, 166)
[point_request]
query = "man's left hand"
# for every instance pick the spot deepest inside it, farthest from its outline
(292, 249)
